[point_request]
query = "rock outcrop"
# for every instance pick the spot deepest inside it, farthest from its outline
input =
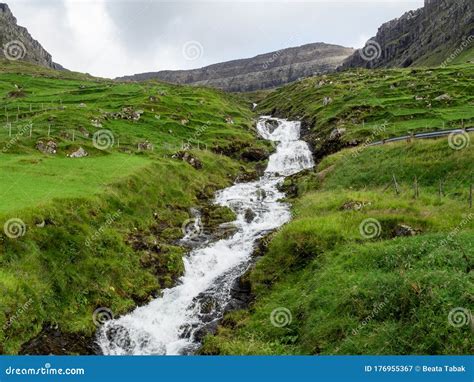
(427, 36)
(16, 42)
(260, 72)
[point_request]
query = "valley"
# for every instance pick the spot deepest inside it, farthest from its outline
(251, 207)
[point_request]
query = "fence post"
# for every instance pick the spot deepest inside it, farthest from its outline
(470, 195)
(397, 189)
(49, 130)
(415, 185)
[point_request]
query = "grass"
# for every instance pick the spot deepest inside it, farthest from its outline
(431, 162)
(348, 293)
(102, 231)
(34, 181)
(361, 101)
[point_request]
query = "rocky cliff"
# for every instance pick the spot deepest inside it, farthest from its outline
(426, 36)
(260, 72)
(16, 42)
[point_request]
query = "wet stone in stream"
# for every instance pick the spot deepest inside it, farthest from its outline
(177, 321)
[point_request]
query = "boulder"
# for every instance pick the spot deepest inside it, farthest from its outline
(127, 113)
(271, 125)
(79, 153)
(405, 230)
(443, 97)
(261, 194)
(249, 215)
(254, 154)
(189, 158)
(354, 205)
(327, 101)
(49, 147)
(337, 133)
(144, 146)
(84, 132)
(96, 123)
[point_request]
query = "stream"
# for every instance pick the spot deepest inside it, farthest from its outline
(175, 322)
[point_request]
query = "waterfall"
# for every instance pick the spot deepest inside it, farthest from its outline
(174, 322)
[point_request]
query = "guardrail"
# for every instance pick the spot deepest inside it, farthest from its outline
(428, 135)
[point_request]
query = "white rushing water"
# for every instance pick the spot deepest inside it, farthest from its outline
(173, 323)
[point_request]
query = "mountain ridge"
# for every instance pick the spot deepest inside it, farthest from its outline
(17, 43)
(263, 71)
(426, 36)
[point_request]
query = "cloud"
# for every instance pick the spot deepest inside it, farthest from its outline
(113, 38)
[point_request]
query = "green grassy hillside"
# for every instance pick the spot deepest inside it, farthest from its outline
(361, 269)
(362, 101)
(101, 231)
(364, 270)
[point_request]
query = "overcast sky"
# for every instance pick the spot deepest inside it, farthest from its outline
(111, 38)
